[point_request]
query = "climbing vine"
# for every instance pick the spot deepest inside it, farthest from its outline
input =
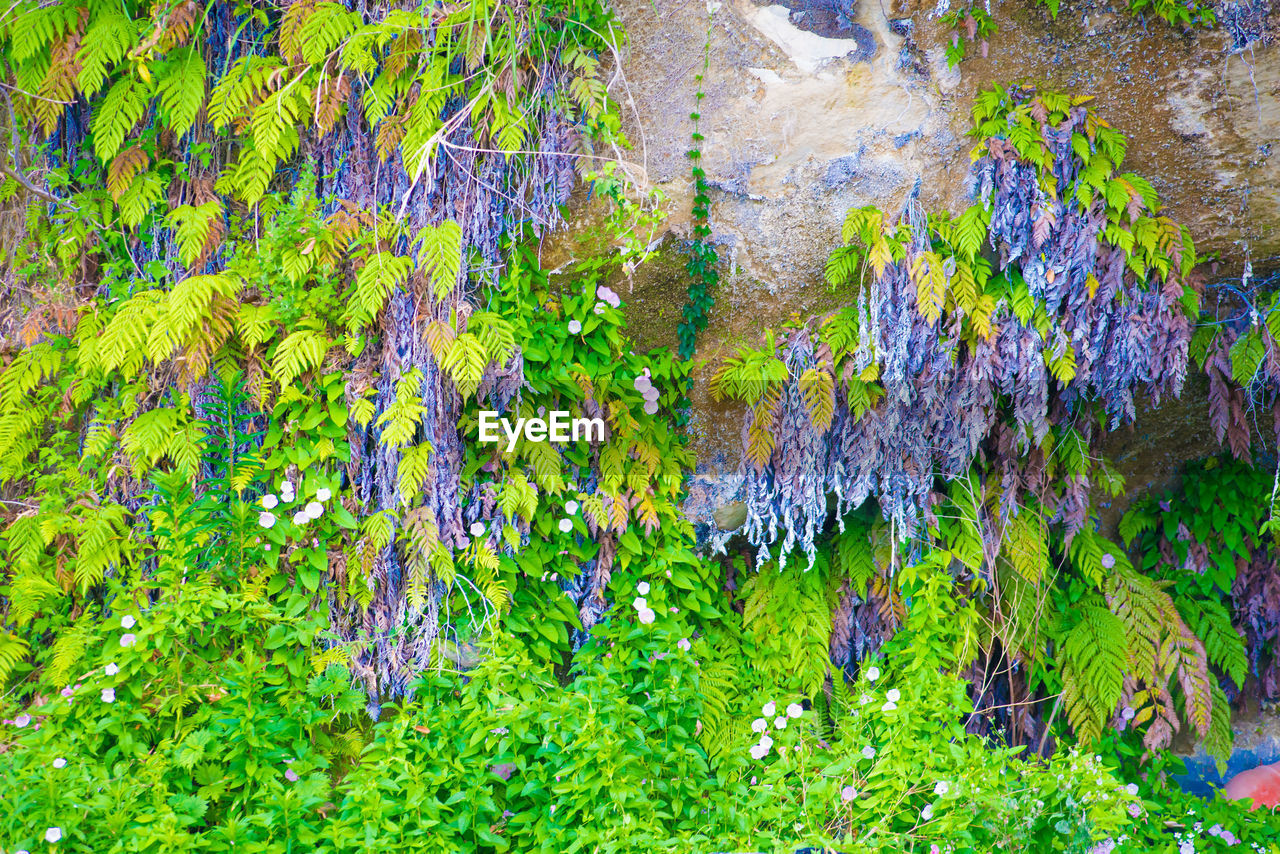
(703, 260)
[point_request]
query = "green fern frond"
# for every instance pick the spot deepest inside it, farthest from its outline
(121, 108)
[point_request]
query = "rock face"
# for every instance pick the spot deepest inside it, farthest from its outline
(816, 106)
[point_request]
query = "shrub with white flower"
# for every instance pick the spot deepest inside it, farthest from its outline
(314, 509)
(643, 588)
(566, 525)
(323, 494)
(127, 621)
(795, 710)
(941, 788)
(759, 725)
(128, 639)
(108, 695)
(868, 752)
(574, 327)
(769, 709)
(647, 616)
(52, 835)
(571, 507)
(477, 529)
(761, 748)
(779, 722)
(266, 519)
(59, 763)
(684, 644)
(112, 669)
(269, 502)
(873, 673)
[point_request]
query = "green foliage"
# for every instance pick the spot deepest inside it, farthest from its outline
(184, 542)
(972, 24)
(1181, 13)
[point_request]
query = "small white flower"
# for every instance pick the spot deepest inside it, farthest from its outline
(864, 699)
(571, 507)
(267, 547)
(647, 616)
(266, 519)
(108, 695)
(323, 494)
(53, 834)
(757, 751)
(766, 742)
(642, 383)
(759, 725)
(287, 486)
(574, 327)
(795, 710)
(640, 603)
(868, 752)
(127, 621)
(112, 669)
(599, 309)
(888, 707)
(892, 695)
(566, 525)
(941, 788)
(315, 509)
(769, 709)
(127, 640)
(301, 518)
(1132, 788)
(927, 812)
(643, 588)
(651, 407)
(477, 529)
(269, 502)
(59, 763)
(779, 722)
(684, 644)
(873, 673)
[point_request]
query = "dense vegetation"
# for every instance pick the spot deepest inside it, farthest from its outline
(263, 590)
